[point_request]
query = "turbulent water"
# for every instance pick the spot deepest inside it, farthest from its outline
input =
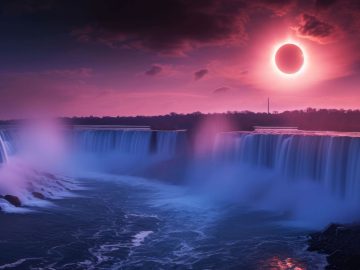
(245, 201)
(131, 223)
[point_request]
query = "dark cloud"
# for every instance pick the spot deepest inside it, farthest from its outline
(154, 70)
(221, 90)
(175, 27)
(276, 7)
(324, 3)
(25, 6)
(200, 74)
(313, 28)
(167, 26)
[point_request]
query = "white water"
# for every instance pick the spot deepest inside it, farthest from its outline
(27, 156)
(140, 237)
(315, 178)
(332, 161)
(125, 151)
(301, 179)
(104, 141)
(312, 179)
(139, 142)
(3, 148)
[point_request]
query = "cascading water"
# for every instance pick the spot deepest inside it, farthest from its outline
(9, 142)
(331, 160)
(134, 151)
(3, 152)
(122, 218)
(124, 141)
(169, 143)
(135, 142)
(25, 179)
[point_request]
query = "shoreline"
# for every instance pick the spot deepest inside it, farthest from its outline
(341, 244)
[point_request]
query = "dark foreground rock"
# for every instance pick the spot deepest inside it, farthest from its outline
(13, 200)
(342, 245)
(38, 195)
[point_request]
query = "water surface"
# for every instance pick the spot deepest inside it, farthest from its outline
(131, 223)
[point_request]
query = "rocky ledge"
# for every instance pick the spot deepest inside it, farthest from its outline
(14, 200)
(342, 245)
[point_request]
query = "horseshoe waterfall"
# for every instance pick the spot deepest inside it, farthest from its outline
(134, 191)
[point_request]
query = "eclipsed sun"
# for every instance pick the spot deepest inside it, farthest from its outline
(289, 58)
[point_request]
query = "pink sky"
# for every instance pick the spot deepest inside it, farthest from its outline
(100, 69)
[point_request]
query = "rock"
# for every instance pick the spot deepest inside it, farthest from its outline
(14, 200)
(38, 195)
(341, 243)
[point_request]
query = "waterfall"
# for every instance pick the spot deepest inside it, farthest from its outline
(7, 145)
(3, 152)
(169, 143)
(124, 141)
(25, 180)
(333, 161)
(135, 142)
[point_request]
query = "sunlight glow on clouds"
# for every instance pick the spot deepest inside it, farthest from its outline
(82, 58)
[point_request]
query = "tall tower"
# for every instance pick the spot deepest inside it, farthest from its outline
(268, 105)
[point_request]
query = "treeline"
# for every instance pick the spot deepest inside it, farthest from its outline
(309, 119)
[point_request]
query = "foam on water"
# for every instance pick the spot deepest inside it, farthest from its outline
(140, 237)
(17, 263)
